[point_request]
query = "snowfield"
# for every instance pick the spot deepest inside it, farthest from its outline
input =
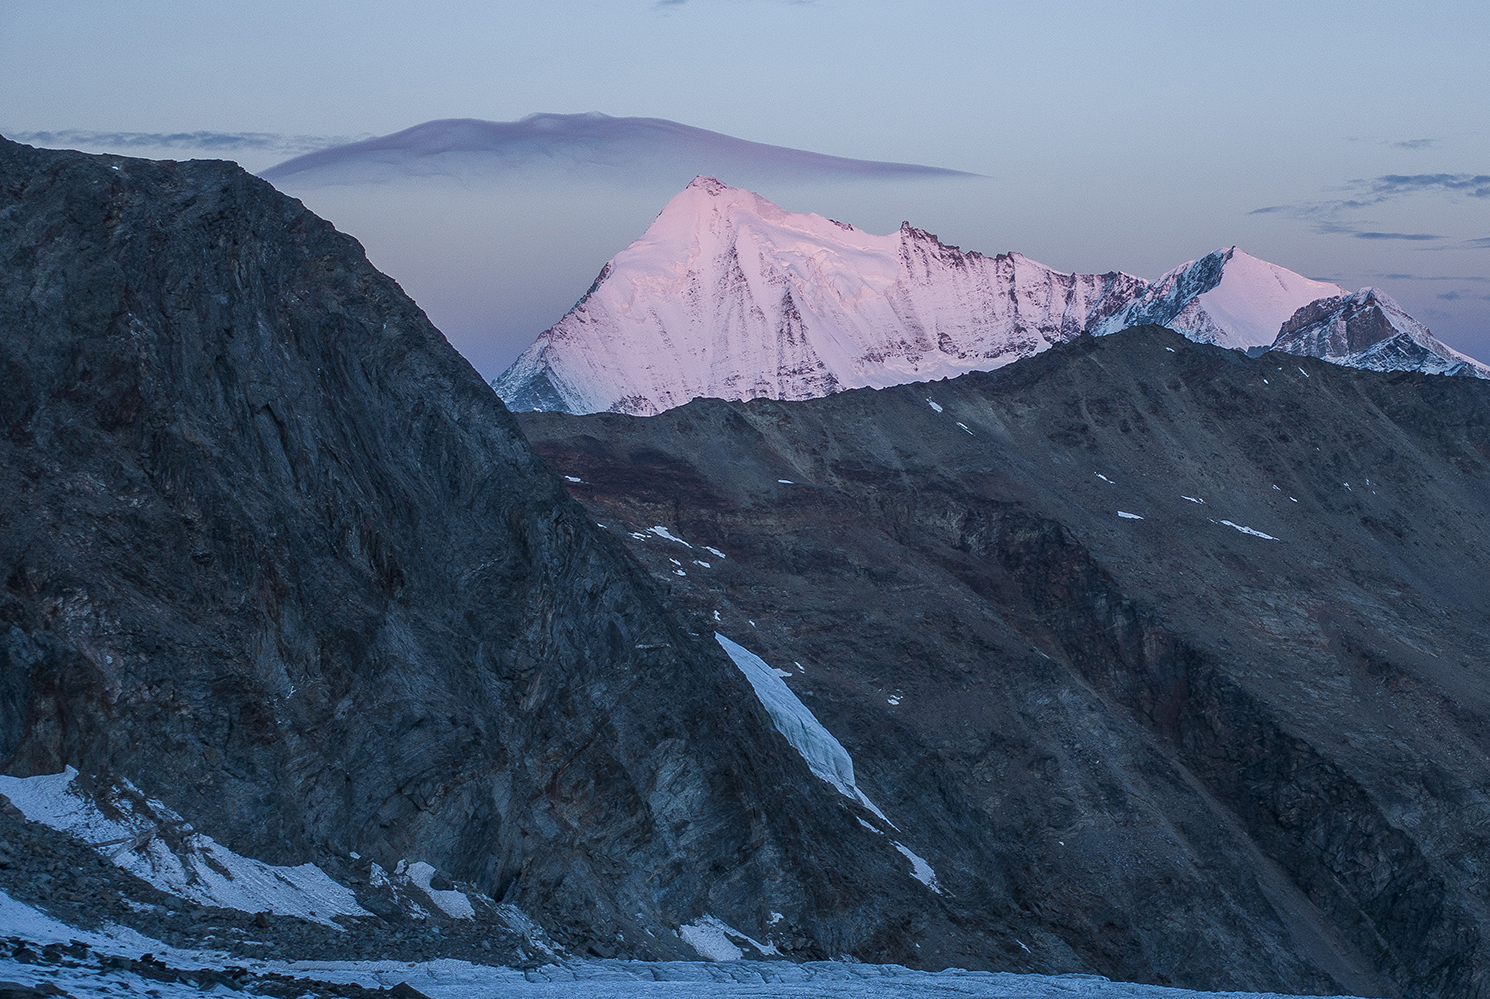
(1229, 298)
(107, 969)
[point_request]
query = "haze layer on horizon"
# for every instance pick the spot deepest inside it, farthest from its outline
(1351, 148)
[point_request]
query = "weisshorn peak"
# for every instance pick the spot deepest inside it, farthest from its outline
(729, 296)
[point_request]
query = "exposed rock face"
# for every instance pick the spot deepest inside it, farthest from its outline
(728, 296)
(272, 551)
(1237, 743)
(1370, 330)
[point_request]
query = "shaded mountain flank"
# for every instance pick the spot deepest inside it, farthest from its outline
(275, 557)
(1177, 655)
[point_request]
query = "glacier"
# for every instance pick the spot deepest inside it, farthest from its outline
(115, 961)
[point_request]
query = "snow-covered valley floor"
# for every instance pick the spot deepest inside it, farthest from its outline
(447, 979)
(41, 956)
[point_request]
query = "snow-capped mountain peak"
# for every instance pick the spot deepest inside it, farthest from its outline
(1228, 297)
(1370, 330)
(729, 295)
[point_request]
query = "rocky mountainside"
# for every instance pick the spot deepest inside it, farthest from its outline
(1174, 656)
(728, 296)
(293, 620)
(1370, 330)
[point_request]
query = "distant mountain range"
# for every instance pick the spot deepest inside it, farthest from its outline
(728, 296)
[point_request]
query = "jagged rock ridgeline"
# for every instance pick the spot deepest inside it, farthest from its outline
(1184, 651)
(274, 554)
(729, 296)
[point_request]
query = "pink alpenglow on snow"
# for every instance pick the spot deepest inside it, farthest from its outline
(729, 296)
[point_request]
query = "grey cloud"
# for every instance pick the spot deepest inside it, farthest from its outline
(1411, 236)
(629, 150)
(1388, 187)
(1342, 216)
(1474, 278)
(1324, 223)
(1311, 210)
(1414, 144)
(1394, 185)
(1482, 243)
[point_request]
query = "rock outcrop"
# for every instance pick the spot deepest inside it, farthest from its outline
(1370, 330)
(275, 554)
(1181, 653)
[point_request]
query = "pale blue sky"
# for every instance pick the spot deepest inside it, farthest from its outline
(1132, 136)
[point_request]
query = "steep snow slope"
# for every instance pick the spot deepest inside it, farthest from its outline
(1370, 330)
(729, 296)
(1229, 298)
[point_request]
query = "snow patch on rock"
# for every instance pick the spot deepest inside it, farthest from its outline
(453, 903)
(155, 844)
(825, 755)
(920, 869)
(1248, 530)
(715, 940)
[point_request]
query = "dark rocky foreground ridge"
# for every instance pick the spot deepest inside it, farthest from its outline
(271, 550)
(1174, 750)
